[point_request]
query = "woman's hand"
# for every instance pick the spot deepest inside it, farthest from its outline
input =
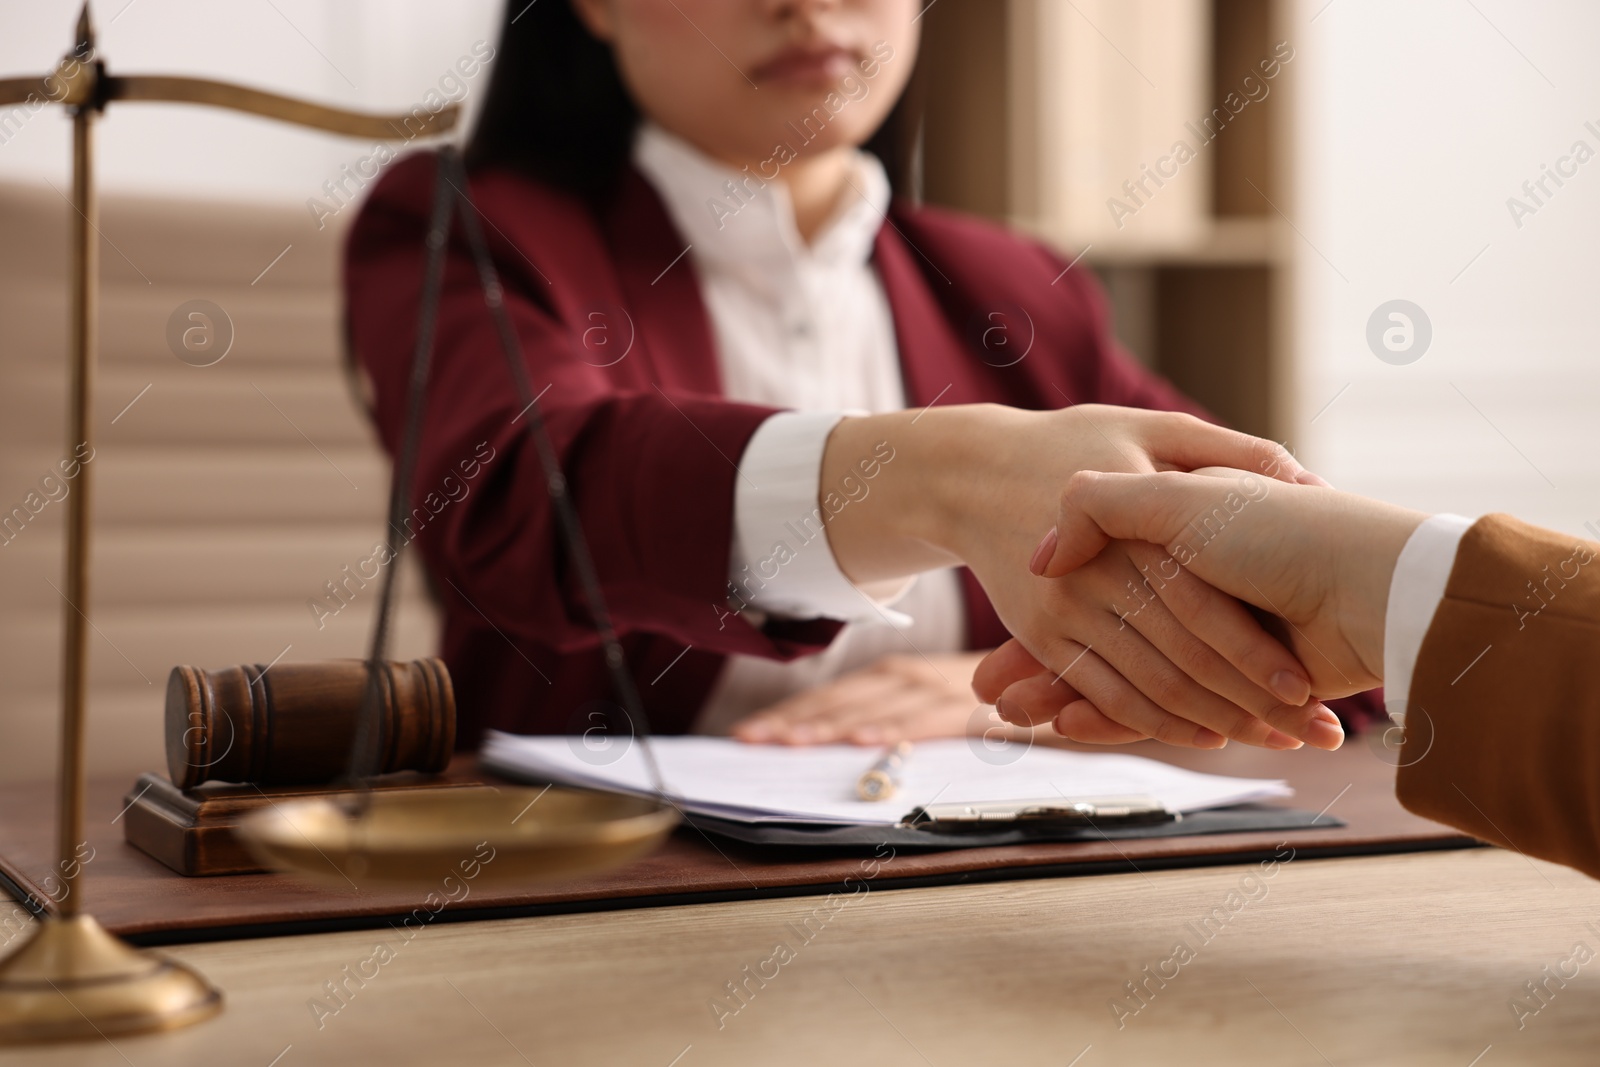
(978, 484)
(1319, 559)
(898, 698)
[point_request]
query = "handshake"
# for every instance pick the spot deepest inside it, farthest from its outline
(1163, 577)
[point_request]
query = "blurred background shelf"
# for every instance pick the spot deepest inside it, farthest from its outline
(1095, 94)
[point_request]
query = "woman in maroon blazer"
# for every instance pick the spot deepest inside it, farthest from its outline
(778, 391)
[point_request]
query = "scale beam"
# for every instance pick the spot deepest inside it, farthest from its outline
(159, 88)
(76, 83)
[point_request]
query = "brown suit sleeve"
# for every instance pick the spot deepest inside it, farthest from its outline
(1508, 686)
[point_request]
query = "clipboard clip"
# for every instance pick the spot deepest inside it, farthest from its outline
(1052, 814)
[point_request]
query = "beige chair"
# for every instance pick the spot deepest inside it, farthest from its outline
(225, 496)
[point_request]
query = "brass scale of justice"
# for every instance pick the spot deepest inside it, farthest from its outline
(72, 979)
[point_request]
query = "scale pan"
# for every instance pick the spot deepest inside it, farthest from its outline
(492, 837)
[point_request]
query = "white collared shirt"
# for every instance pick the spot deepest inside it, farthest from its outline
(808, 329)
(1415, 591)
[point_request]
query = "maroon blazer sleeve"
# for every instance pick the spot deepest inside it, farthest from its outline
(649, 468)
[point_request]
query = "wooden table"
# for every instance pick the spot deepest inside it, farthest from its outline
(1411, 959)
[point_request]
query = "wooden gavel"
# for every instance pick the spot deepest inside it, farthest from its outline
(294, 723)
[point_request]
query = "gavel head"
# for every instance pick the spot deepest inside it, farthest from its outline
(295, 723)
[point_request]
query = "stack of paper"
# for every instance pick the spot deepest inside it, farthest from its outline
(727, 779)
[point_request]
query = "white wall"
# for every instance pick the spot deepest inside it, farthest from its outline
(374, 55)
(1415, 122)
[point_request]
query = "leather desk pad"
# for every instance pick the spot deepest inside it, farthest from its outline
(135, 896)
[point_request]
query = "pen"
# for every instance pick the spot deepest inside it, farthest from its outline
(883, 777)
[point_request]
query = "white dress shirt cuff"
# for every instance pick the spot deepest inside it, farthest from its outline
(1420, 576)
(781, 563)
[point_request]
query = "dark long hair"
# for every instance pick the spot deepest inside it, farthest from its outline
(557, 109)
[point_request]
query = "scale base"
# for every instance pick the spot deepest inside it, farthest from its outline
(73, 981)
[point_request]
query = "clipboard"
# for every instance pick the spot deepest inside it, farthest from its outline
(1044, 823)
(1040, 816)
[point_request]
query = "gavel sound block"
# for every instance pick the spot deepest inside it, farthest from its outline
(248, 736)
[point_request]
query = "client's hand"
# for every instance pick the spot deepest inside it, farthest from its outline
(898, 698)
(977, 484)
(1319, 559)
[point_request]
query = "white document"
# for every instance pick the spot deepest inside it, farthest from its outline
(817, 784)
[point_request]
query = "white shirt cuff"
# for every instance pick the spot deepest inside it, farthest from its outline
(781, 563)
(1420, 576)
